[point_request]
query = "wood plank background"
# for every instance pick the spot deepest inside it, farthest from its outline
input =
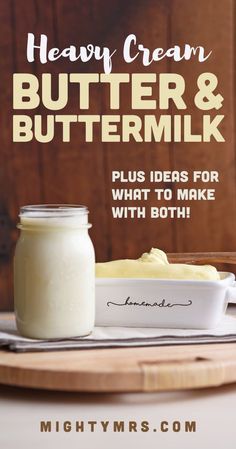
(76, 172)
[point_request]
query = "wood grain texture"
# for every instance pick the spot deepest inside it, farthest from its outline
(7, 190)
(211, 227)
(125, 371)
(134, 236)
(203, 258)
(81, 173)
(122, 369)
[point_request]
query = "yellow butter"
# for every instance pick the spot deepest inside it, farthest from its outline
(155, 265)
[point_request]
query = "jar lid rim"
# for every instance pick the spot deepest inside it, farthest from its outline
(52, 210)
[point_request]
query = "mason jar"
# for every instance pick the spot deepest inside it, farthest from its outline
(54, 272)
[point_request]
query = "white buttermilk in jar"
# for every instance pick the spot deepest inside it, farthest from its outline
(54, 272)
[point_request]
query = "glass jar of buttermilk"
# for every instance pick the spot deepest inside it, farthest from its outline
(54, 272)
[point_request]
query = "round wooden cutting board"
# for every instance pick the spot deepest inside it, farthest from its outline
(122, 370)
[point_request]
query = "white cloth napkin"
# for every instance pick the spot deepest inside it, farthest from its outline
(107, 337)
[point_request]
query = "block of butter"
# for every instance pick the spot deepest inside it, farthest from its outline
(155, 265)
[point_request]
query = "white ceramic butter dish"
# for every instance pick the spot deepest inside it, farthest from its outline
(163, 303)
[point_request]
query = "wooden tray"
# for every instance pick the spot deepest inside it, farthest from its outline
(122, 370)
